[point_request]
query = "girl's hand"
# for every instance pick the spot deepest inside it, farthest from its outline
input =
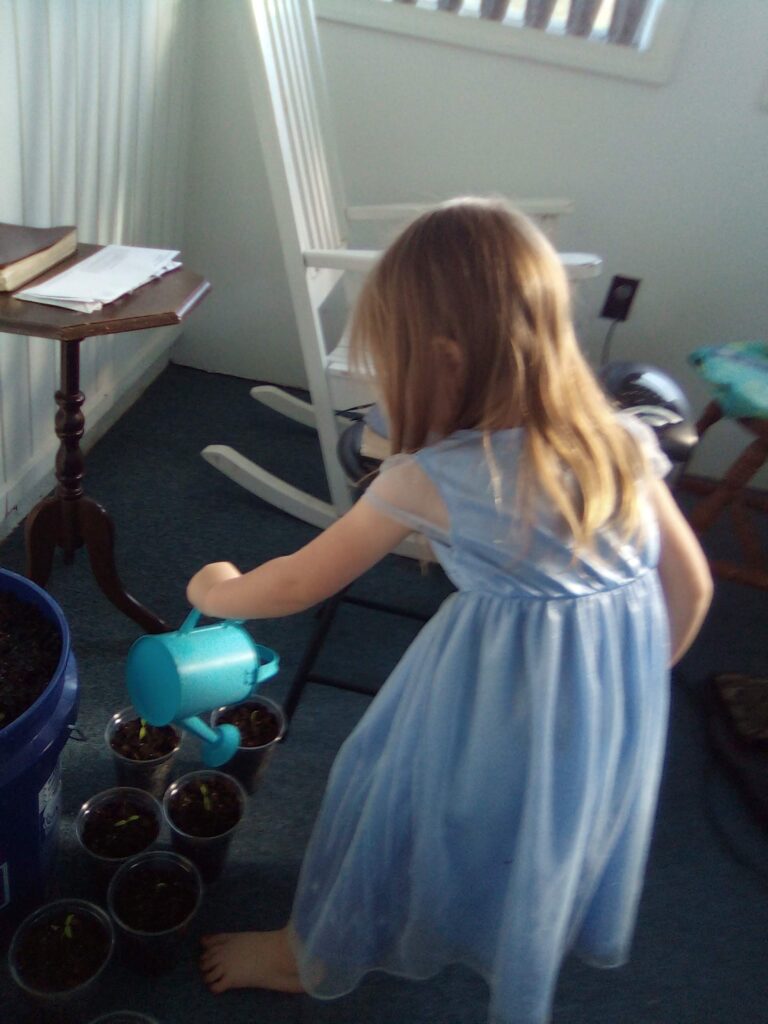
(201, 584)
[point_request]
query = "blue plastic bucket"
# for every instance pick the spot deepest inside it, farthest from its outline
(30, 781)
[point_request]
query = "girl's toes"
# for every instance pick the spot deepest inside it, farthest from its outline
(211, 972)
(208, 963)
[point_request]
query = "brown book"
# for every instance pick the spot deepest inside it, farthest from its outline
(27, 252)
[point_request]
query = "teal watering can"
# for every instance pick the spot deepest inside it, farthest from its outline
(176, 677)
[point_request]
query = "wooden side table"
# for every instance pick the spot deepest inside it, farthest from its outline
(69, 519)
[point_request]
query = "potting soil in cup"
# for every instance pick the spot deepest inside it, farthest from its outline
(152, 898)
(261, 724)
(61, 952)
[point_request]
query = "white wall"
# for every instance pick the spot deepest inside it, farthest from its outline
(245, 327)
(669, 181)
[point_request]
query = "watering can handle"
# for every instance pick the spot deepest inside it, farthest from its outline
(194, 616)
(190, 622)
(269, 663)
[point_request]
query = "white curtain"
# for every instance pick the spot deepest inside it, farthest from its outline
(93, 111)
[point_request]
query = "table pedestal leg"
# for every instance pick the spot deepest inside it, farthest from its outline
(98, 533)
(69, 519)
(42, 529)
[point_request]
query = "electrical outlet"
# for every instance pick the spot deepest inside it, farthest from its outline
(619, 298)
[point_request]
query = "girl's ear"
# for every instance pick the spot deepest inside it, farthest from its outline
(448, 384)
(450, 351)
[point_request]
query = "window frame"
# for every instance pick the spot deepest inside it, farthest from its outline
(653, 65)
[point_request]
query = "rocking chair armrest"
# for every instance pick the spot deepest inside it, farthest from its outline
(407, 211)
(341, 259)
(578, 265)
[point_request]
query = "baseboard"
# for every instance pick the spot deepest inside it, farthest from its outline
(36, 478)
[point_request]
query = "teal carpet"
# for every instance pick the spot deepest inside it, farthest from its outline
(700, 949)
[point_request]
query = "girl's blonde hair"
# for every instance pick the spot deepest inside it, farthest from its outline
(481, 277)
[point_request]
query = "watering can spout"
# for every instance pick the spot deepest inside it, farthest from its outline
(220, 742)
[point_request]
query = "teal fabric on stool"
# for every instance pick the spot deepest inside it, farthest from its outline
(738, 372)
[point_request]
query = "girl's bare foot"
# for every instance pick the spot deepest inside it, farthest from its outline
(249, 960)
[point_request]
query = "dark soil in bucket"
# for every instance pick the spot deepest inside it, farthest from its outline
(151, 899)
(139, 741)
(119, 828)
(30, 648)
(258, 725)
(205, 808)
(62, 951)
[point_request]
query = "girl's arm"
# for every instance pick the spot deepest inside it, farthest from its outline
(350, 546)
(683, 570)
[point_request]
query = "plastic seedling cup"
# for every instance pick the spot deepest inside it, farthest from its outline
(115, 825)
(262, 724)
(57, 957)
(152, 899)
(203, 809)
(144, 767)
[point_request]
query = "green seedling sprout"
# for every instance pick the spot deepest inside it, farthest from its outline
(205, 796)
(69, 920)
(126, 821)
(143, 729)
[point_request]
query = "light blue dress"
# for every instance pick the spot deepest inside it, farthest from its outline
(494, 805)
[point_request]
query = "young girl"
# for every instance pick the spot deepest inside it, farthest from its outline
(494, 805)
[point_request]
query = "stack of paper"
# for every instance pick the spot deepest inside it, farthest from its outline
(111, 272)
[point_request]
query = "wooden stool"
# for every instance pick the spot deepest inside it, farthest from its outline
(732, 492)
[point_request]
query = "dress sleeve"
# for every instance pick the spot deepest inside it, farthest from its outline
(403, 490)
(655, 459)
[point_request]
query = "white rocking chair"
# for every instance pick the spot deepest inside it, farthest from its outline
(295, 130)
